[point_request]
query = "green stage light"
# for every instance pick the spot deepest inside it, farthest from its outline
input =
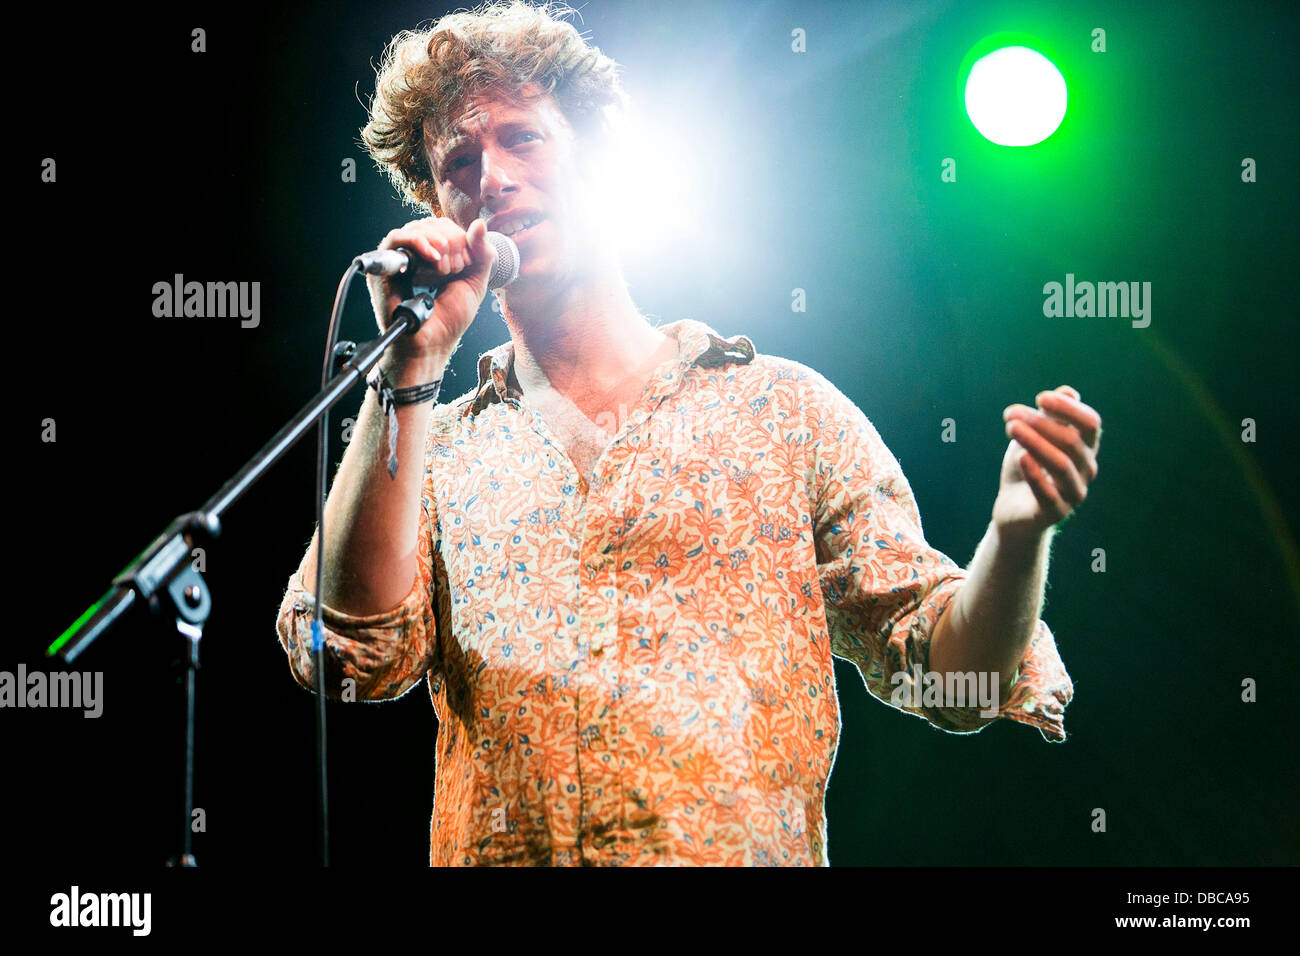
(1015, 96)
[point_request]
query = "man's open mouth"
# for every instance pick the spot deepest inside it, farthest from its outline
(521, 227)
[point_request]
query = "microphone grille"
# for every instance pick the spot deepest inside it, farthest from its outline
(506, 269)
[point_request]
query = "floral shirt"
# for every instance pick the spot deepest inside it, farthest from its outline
(637, 669)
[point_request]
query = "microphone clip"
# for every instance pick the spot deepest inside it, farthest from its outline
(417, 309)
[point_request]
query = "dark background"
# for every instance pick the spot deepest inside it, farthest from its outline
(924, 303)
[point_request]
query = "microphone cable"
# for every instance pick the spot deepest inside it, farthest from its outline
(317, 630)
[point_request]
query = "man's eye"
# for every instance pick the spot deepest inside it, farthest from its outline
(527, 133)
(460, 162)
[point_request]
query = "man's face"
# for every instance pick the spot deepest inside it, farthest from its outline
(513, 164)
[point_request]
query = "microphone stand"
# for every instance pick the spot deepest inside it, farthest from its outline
(161, 578)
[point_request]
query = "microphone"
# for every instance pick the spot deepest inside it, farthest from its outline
(389, 262)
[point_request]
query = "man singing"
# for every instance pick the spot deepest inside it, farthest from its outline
(624, 561)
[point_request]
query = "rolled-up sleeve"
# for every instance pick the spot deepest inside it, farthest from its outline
(384, 655)
(885, 587)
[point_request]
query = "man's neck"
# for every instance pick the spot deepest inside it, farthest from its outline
(587, 339)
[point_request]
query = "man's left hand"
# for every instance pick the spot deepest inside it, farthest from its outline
(1050, 462)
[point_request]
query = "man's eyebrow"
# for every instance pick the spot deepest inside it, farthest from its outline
(457, 140)
(460, 135)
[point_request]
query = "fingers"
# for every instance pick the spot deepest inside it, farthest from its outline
(1043, 488)
(1069, 483)
(418, 236)
(1061, 439)
(482, 251)
(475, 243)
(437, 240)
(1066, 437)
(1064, 404)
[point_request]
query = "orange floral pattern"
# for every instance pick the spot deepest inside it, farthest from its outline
(639, 669)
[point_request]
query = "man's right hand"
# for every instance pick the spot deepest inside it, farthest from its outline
(443, 249)
(373, 519)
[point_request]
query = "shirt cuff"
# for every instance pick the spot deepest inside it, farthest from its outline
(348, 625)
(1039, 694)
(383, 654)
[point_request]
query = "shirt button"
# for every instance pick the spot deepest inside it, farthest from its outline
(597, 651)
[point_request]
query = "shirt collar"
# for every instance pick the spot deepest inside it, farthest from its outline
(697, 345)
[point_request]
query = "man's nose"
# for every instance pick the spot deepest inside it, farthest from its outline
(495, 179)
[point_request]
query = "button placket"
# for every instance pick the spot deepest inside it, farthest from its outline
(599, 752)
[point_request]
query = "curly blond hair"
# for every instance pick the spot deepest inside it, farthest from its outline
(499, 47)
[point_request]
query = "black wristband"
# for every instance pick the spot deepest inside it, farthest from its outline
(389, 400)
